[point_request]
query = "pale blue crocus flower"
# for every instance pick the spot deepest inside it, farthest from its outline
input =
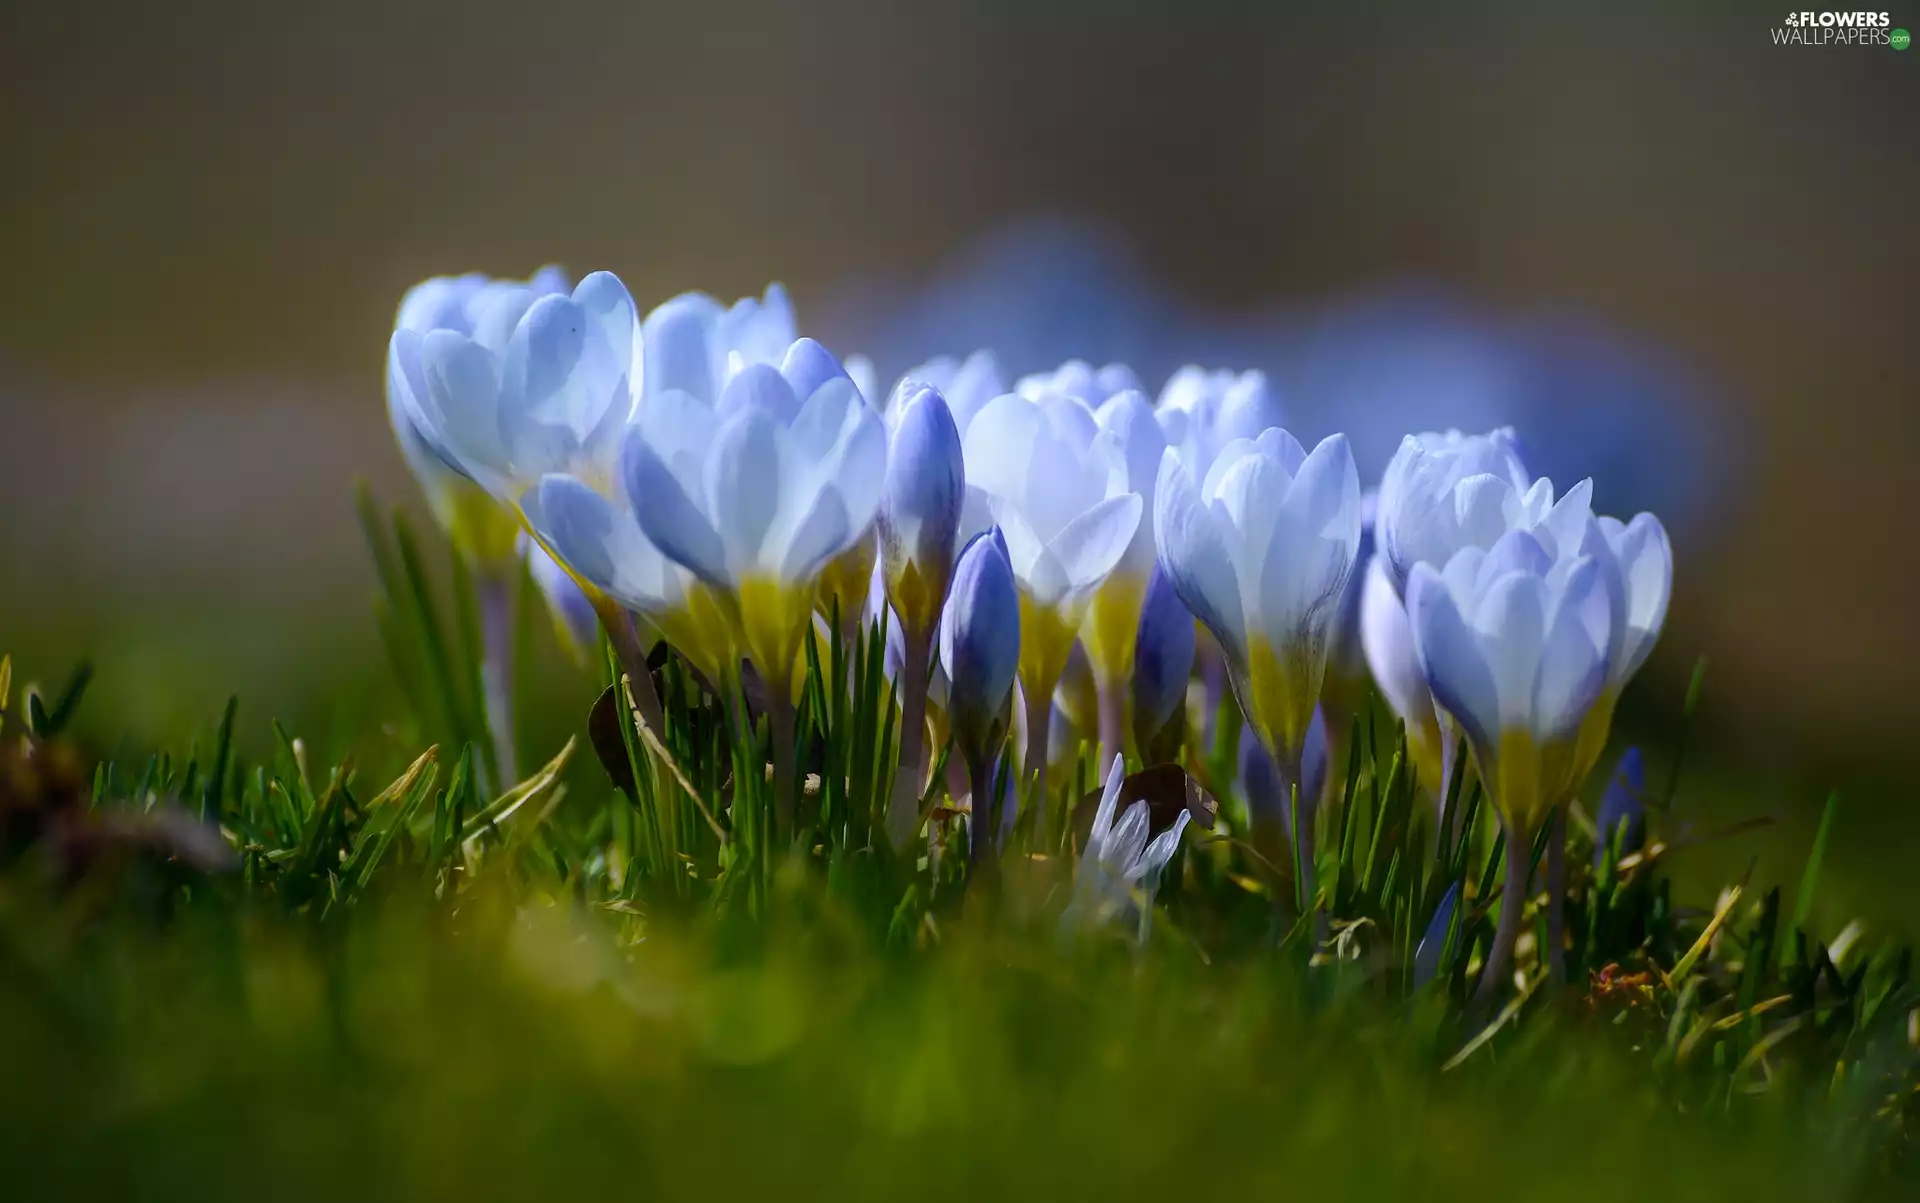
(1386, 636)
(1056, 484)
(1111, 628)
(1259, 551)
(533, 406)
(757, 494)
(476, 522)
(1638, 561)
(1120, 858)
(1516, 647)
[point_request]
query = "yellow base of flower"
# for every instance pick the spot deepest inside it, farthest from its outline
(1112, 628)
(774, 615)
(1280, 689)
(1046, 640)
(483, 529)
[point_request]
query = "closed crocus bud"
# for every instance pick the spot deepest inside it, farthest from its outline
(573, 613)
(1515, 648)
(1259, 552)
(1163, 659)
(1623, 812)
(967, 384)
(1120, 858)
(920, 502)
(1386, 636)
(1269, 798)
(1056, 485)
(755, 496)
(1433, 941)
(980, 646)
(478, 524)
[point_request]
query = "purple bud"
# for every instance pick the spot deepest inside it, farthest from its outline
(1624, 802)
(1426, 957)
(980, 643)
(1163, 655)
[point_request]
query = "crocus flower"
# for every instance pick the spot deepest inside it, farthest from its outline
(1200, 412)
(1386, 635)
(1622, 806)
(756, 495)
(1259, 552)
(525, 400)
(476, 522)
(533, 407)
(1113, 616)
(1118, 859)
(918, 523)
(1433, 941)
(1516, 648)
(1056, 484)
(1639, 561)
(980, 651)
(1163, 661)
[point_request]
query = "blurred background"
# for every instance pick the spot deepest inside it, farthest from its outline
(1678, 255)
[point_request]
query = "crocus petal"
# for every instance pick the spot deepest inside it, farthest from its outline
(1451, 658)
(668, 513)
(1194, 556)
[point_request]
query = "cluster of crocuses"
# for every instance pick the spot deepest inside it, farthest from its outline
(702, 475)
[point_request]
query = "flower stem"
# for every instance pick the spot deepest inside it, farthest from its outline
(633, 661)
(780, 723)
(981, 820)
(495, 595)
(1039, 703)
(1555, 953)
(1513, 901)
(903, 809)
(1113, 723)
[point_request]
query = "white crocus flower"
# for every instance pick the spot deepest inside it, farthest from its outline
(755, 496)
(1056, 485)
(479, 524)
(1260, 551)
(1118, 860)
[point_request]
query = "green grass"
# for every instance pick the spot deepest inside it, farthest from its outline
(386, 980)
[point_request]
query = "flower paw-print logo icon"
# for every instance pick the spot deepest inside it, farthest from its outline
(1793, 18)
